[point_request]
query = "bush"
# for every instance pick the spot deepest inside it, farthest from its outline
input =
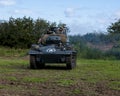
(94, 54)
(114, 52)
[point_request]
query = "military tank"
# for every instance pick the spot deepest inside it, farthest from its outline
(53, 47)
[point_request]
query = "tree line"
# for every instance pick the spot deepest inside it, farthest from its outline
(91, 45)
(22, 32)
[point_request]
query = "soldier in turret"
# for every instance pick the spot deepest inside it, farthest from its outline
(44, 36)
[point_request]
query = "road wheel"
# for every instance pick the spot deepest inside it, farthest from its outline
(71, 62)
(33, 64)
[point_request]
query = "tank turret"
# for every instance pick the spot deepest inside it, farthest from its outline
(54, 34)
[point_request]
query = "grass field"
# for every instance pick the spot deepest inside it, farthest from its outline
(89, 78)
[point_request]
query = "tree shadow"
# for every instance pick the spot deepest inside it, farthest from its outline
(49, 67)
(55, 67)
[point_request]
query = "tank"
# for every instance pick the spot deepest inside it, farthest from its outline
(53, 47)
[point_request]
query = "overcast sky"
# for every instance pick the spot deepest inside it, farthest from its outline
(81, 16)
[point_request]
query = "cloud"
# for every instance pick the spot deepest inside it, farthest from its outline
(84, 28)
(89, 20)
(89, 24)
(76, 12)
(70, 12)
(81, 28)
(117, 14)
(7, 2)
(23, 11)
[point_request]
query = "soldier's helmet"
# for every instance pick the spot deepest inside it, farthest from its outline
(61, 30)
(49, 31)
(52, 30)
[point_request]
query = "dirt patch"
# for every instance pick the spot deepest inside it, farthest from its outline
(49, 88)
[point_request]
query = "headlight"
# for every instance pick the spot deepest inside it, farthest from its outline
(35, 47)
(64, 49)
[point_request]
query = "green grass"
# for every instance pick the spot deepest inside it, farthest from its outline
(115, 85)
(88, 73)
(34, 80)
(12, 52)
(65, 82)
(77, 91)
(2, 87)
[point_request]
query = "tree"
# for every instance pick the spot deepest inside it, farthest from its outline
(17, 32)
(114, 32)
(40, 26)
(114, 28)
(22, 32)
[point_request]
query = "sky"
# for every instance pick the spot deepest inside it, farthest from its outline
(81, 16)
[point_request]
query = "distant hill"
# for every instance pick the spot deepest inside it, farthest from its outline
(102, 47)
(103, 42)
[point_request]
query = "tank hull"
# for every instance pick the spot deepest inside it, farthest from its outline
(51, 54)
(56, 57)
